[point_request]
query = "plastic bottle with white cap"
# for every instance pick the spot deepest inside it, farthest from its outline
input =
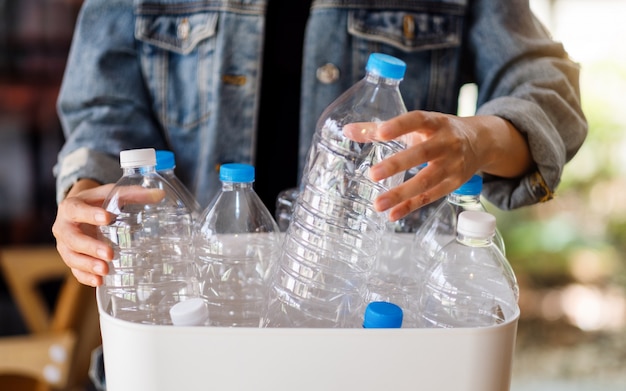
(151, 235)
(470, 283)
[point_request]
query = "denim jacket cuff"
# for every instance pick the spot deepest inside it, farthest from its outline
(84, 163)
(546, 147)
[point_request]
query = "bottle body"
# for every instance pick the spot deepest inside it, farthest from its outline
(334, 234)
(285, 202)
(152, 268)
(165, 167)
(236, 243)
(395, 276)
(470, 283)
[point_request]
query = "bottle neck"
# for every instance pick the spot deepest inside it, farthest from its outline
(166, 172)
(234, 186)
(139, 170)
(377, 79)
(464, 199)
(472, 241)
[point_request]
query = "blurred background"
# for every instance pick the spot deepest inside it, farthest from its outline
(569, 254)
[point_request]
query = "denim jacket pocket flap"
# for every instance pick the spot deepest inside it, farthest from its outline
(176, 33)
(410, 31)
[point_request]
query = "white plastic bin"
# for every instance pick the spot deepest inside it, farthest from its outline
(143, 357)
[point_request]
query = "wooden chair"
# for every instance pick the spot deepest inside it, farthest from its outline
(55, 354)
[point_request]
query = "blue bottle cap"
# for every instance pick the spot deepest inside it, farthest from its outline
(382, 314)
(472, 187)
(236, 172)
(165, 160)
(386, 66)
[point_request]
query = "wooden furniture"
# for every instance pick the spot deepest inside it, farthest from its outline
(55, 354)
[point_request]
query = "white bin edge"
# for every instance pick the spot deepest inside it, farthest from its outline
(143, 357)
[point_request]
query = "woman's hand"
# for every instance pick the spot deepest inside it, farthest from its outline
(455, 148)
(78, 216)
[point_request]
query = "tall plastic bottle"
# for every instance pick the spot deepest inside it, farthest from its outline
(236, 241)
(334, 233)
(440, 227)
(152, 267)
(166, 163)
(471, 283)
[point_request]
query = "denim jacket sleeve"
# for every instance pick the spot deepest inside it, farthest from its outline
(102, 112)
(528, 79)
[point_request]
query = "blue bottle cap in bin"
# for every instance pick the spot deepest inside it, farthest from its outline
(382, 314)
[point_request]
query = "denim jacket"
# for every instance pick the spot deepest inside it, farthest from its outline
(184, 75)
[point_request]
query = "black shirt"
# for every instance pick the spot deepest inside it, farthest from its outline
(278, 126)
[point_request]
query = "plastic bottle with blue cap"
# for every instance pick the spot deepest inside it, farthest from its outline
(236, 242)
(334, 233)
(166, 165)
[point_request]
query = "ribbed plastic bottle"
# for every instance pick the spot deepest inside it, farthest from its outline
(382, 315)
(440, 227)
(236, 242)
(471, 283)
(334, 234)
(152, 267)
(166, 163)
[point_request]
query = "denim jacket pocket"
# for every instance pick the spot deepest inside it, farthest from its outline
(410, 30)
(177, 33)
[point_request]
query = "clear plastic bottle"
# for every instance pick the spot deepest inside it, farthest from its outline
(152, 267)
(166, 163)
(334, 234)
(395, 276)
(285, 202)
(382, 315)
(237, 241)
(471, 283)
(440, 227)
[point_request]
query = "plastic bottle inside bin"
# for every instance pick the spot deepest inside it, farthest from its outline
(470, 283)
(440, 228)
(395, 276)
(152, 267)
(237, 241)
(166, 163)
(334, 233)
(285, 202)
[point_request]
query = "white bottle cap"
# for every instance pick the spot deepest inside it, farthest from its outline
(476, 224)
(190, 312)
(133, 158)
